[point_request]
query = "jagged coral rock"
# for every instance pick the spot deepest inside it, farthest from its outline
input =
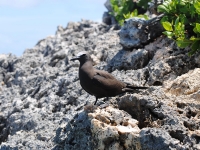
(42, 102)
(114, 129)
(185, 84)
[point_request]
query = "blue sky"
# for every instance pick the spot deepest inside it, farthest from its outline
(24, 22)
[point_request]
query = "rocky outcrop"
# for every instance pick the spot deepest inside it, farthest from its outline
(43, 106)
(40, 90)
(107, 17)
(137, 32)
(114, 129)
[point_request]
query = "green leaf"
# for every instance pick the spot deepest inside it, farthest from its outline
(183, 44)
(198, 27)
(176, 23)
(168, 34)
(167, 3)
(195, 47)
(145, 17)
(162, 8)
(195, 30)
(183, 19)
(192, 38)
(197, 7)
(164, 19)
(135, 12)
(167, 25)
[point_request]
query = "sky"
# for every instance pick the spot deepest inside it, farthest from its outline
(24, 22)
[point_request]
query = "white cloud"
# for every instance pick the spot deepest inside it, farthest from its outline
(19, 3)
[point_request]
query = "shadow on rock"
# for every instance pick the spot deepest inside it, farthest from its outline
(3, 129)
(125, 60)
(75, 135)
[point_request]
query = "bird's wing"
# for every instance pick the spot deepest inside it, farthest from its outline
(104, 74)
(106, 81)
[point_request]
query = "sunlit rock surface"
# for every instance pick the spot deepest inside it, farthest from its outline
(42, 105)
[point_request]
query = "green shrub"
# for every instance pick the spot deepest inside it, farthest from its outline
(182, 22)
(124, 9)
(134, 14)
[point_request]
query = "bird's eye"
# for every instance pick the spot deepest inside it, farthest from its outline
(83, 54)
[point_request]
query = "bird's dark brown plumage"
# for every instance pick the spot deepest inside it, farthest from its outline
(98, 82)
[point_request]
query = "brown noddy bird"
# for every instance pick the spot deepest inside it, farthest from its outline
(98, 82)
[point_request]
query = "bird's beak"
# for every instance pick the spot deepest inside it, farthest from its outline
(75, 58)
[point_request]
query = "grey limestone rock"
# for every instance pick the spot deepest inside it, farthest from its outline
(43, 106)
(40, 90)
(126, 60)
(156, 139)
(107, 18)
(108, 5)
(137, 31)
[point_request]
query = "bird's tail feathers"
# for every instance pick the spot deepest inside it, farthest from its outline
(133, 89)
(136, 87)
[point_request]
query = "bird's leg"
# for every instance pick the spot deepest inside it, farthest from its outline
(96, 101)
